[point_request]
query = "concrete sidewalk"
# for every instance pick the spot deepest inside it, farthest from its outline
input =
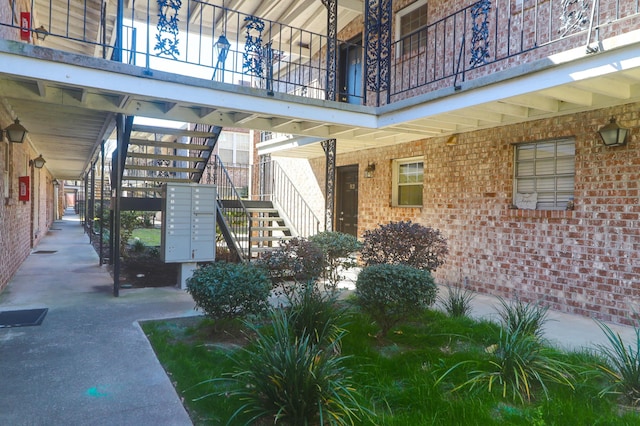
(89, 362)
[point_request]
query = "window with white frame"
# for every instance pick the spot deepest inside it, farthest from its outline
(409, 23)
(234, 147)
(544, 174)
(408, 179)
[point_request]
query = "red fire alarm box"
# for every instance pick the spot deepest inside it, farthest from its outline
(23, 190)
(25, 26)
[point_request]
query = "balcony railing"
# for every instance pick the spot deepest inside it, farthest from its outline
(215, 43)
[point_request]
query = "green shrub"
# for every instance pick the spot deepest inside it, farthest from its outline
(527, 318)
(405, 243)
(519, 365)
(620, 366)
(457, 302)
(314, 313)
(337, 248)
(288, 379)
(298, 260)
(392, 293)
(230, 290)
(138, 246)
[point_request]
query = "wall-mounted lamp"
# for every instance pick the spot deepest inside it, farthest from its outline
(453, 140)
(612, 134)
(37, 162)
(56, 182)
(41, 33)
(16, 132)
(368, 172)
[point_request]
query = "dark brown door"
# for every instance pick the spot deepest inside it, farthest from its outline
(347, 200)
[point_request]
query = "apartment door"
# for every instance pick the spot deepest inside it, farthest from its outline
(350, 76)
(347, 200)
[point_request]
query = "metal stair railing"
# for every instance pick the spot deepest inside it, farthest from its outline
(209, 142)
(233, 218)
(287, 198)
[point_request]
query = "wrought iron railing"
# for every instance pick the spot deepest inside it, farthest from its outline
(216, 43)
(489, 32)
(280, 190)
(236, 227)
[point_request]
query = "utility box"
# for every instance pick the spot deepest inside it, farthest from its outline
(188, 223)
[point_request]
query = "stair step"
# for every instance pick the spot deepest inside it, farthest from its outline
(269, 228)
(266, 239)
(169, 145)
(261, 210)
(155, 179)
(266, 219)
(166, 157)
(161, 168)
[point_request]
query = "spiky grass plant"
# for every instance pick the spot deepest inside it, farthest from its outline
(457, 302)
(525, 318)
(519, 365)
(290, 379)
(315, 313)
(621, 366)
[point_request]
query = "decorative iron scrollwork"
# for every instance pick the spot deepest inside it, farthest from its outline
(480, 33)
(167, 36)
(575, 16)
(378, 44)
(329, 147)
(332, 48)
(253, 49)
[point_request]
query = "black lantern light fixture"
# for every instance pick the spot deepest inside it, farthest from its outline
(223, 47)
(41, 33)
(38, 162)
(612, 134)
(368, 172)
(16, 132)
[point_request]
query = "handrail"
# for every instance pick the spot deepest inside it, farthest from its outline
(236, 221)
(209, 142)
(292, 203)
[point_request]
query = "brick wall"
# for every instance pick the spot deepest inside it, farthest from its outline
(18, 234)
(585, 261)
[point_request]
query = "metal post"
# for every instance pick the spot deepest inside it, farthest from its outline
(115, 233)
(101, 203)
(329, 147)
(332, 48)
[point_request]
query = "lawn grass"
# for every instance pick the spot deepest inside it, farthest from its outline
(149, 236)
(396, 375)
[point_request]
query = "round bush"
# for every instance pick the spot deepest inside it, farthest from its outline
(393, 293)
(406, 243)
(230, 290)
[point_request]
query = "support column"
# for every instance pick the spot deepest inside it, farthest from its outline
(377, 45)
(329, 147)
(332, 49)
(115, 207)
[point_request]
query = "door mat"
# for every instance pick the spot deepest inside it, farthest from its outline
(45, 251)
(22, 318)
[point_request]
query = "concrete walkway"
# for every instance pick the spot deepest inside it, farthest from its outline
(89, 362)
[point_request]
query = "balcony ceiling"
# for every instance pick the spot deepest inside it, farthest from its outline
(68, 101)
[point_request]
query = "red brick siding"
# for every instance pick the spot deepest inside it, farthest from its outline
(585, 261)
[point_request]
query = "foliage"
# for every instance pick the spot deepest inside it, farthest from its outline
(289, 379)
(519, 364)
(394, 377)
(144, 268)
(138, 245)
(392, 293)
(526, 318)
(229, 290)
(337, 248)
(621, 366)
(314, 313)
(129, 220)
(150, 236)
(297, 259)
(457, 302)
(405, 243)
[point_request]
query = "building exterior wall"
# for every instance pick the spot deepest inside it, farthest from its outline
(18, 232)
(584, 261)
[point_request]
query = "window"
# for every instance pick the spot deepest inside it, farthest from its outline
(408, 178)
(234, 148)
(410, 21)
(544, 172)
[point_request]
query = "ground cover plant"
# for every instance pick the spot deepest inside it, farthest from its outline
(396, 377)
